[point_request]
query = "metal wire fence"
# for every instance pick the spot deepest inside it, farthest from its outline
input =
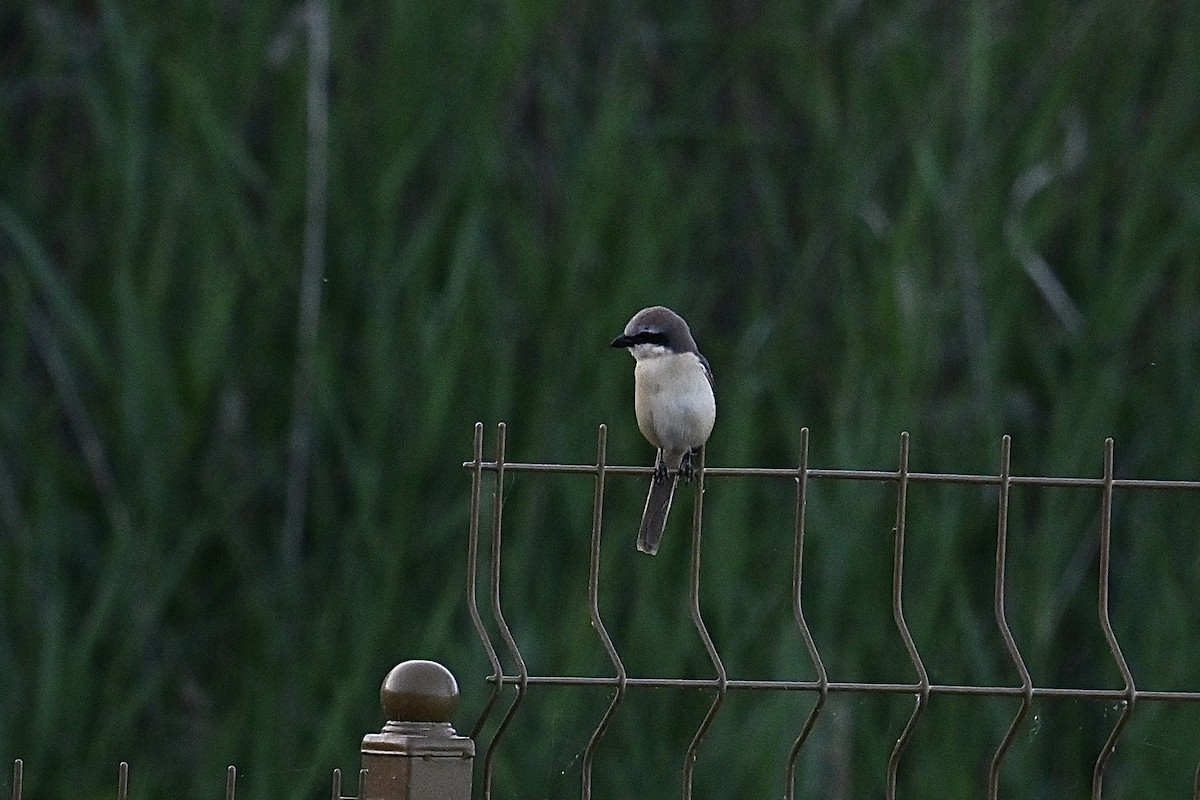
(231, 777)
(1127, 698)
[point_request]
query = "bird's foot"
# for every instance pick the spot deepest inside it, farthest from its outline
(661, 473)
(687, 470)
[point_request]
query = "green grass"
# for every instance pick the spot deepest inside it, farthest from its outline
(843, 200)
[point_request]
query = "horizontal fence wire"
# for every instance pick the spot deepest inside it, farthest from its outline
(822, 687)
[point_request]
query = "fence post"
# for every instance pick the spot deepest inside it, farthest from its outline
(417, 755)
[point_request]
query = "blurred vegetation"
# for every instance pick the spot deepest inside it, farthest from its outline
(955, 219)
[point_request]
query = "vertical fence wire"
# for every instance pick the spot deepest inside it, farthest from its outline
(1102, 601)
(335, 788)
(230, 782)
(802, 624)
(1010, 643)
(476, 467)
(510, 643)
(123, 781)
(689, 760)
(19, 778)
(901, 624)
(589, 752)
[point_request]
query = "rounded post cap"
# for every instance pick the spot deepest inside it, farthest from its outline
(419, 691)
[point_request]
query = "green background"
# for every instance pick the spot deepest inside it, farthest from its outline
(957, 219)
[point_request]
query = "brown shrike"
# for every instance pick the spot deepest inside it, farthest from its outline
(674, 403)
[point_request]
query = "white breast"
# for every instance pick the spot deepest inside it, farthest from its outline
(674, 402)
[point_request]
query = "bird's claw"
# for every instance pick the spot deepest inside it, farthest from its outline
(660, 471)
(687, 470)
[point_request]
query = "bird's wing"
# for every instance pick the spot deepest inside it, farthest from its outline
(707, 371)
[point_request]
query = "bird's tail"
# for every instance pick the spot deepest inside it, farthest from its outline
(654, 517)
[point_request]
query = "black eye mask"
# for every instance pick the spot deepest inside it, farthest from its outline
(649, 337)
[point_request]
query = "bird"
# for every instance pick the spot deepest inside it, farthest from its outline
(674, 403)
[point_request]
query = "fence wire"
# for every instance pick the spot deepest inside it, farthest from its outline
(822, 687)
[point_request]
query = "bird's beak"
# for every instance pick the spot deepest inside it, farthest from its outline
(622, 341)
